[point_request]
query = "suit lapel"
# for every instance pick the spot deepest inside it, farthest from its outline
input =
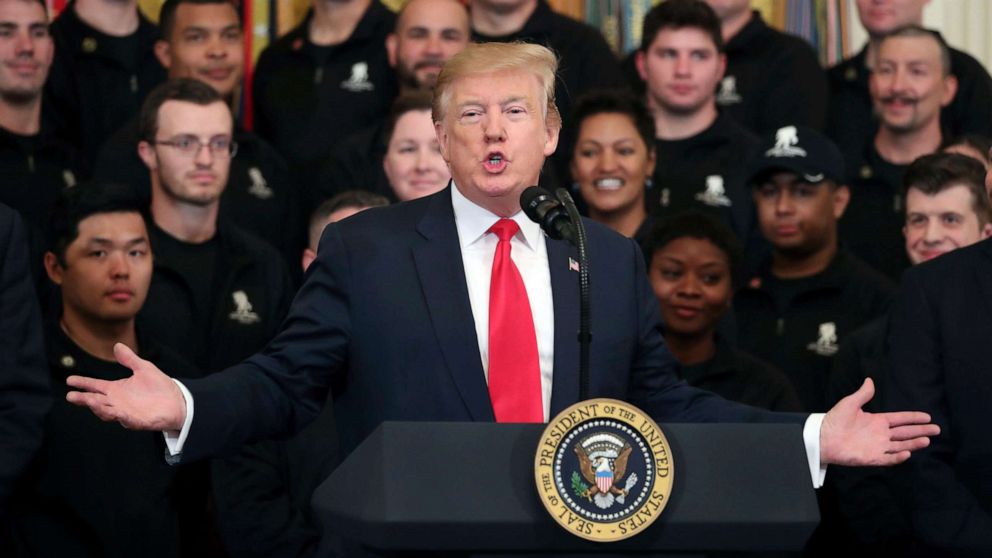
(442, 276)
(565, 292)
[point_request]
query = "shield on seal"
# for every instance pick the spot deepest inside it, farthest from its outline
(604, 480)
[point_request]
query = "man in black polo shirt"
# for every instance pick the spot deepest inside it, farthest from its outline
(323, 81)
(773, 79)
(218, 293)
(910, 85)
(202, 39)
(104, 66)
(851, 120)
(810, 294)
(701, 151)
(428, 33)
(97, 490)
(35, 165)
(586, 61)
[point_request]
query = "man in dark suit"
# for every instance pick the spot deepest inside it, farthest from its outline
(24, 394)
(393, 315)
(938, 342)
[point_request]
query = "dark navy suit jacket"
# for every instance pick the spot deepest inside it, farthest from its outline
(384, 318)
(939, 349)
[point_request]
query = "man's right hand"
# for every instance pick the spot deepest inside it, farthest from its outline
(148, 400)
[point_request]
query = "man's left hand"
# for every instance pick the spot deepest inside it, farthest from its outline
(850, 436)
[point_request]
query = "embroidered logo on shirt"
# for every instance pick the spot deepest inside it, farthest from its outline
(68, 178)
(359, 80)
(786, 140)
(715, 195)
(826, 345)
(243, 312)
(259, 187)
(728, 94)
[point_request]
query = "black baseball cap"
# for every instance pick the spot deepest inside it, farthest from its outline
(797, 149)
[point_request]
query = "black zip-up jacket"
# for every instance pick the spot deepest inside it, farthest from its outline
(97, 81)
(801, 338)
(247, 271)
(305, 105)
(773, 79)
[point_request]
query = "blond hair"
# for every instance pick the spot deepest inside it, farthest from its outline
(491, 58)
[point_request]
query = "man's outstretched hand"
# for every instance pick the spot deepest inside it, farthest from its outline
(850, 436)
(148, 400)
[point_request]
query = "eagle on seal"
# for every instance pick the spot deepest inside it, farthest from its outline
(601, 475)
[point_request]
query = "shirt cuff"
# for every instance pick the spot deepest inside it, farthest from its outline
(811, 437)
(173, 442)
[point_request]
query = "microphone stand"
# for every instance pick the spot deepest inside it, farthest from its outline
(585, 335)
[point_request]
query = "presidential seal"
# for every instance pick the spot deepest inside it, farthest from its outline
(604, 470)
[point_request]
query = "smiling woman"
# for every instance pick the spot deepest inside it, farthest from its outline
(613, 159)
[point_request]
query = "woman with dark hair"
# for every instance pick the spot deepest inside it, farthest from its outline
(613, 159)
(694, 266)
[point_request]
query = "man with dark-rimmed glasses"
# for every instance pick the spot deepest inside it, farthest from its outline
(218, 292)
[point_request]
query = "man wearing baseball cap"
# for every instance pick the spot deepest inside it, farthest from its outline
(810, 293)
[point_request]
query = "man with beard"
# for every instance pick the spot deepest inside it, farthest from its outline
(428, 33)
(910, 86)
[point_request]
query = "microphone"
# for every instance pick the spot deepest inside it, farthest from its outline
(545, 210)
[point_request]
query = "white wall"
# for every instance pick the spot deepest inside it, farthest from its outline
(965, 24)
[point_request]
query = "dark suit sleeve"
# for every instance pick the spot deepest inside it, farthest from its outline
(944, 512)
(24, 392)
(655, 385)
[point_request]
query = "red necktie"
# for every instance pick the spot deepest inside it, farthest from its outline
(514, 368)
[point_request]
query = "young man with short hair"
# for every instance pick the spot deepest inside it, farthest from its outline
(701, 152)
(96, 490)
(219, 292)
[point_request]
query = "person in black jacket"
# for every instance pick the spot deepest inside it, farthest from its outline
(851, 120)
(24, 388)
(772, 78)
(323, 81)
(96, 490)
(218, 292)
(35, 164)
(104, 67)
(694, 265)
(701, 151)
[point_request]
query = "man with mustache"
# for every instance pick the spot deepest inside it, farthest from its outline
(850, 120)
(427, 34)
(202, 40)
(910, 85)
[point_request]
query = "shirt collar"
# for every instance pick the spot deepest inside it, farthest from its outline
(473, 221)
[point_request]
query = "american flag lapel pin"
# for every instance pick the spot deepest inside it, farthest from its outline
(573, 265)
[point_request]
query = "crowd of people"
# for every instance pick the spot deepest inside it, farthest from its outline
(776, 206)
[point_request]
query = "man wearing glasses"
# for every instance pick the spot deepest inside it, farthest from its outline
(218, 293)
